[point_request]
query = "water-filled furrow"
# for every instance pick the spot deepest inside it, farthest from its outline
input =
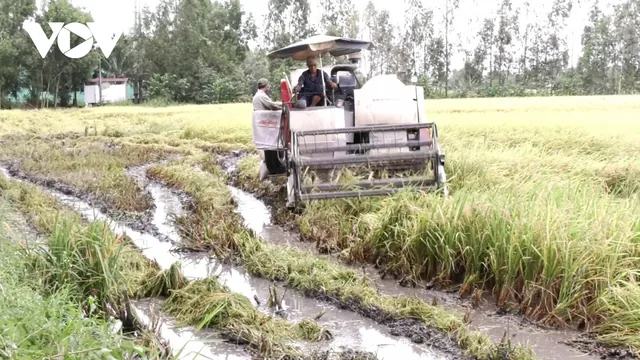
(205, 344)
(545, 344)
(350, 330)
(181, 341)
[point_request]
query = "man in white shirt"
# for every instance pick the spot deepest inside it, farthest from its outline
(261, 100)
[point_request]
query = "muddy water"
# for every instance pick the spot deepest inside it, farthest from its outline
(205, 344)
(545, 344)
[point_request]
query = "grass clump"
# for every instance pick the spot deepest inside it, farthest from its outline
(206, 303)
(88, 260)
(55, 322)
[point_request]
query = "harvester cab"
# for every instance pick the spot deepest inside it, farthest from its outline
(364, 140)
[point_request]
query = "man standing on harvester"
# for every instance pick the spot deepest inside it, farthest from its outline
(310, 83)
(261, 100)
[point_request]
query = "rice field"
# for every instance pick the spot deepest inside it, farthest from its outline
(543, 217)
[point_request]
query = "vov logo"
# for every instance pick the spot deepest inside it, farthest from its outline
(90, 32)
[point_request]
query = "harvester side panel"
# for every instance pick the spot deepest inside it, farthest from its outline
(266, 129)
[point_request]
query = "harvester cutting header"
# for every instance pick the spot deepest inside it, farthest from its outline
(378, 130)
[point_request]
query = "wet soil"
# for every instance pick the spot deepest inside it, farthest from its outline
(358, 335)
(349, 329)
(263, 214)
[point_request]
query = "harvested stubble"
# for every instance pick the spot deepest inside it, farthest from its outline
(93, 166)
(313, 276)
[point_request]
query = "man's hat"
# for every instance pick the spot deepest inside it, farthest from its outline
(263, 82)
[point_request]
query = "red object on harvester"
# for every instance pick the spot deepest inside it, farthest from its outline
(285, 92)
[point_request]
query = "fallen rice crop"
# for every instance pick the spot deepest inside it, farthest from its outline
(206, 303)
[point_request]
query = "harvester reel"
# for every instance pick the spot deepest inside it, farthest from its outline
(373, 159)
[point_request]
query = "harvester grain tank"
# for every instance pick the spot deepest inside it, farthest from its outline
(378, 129)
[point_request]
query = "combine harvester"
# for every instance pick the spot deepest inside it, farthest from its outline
(379, 127)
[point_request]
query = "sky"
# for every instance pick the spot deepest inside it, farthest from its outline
(120, 14)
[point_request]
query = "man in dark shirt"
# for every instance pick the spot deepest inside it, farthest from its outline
(310, 83)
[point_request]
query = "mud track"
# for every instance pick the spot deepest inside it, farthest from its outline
(352, 332)
(547, 343)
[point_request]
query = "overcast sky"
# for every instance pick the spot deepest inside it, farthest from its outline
(120, 13)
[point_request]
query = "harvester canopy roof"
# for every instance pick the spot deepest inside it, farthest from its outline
(319, 45)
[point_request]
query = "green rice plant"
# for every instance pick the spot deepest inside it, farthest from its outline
(619, 306)
(88, 260)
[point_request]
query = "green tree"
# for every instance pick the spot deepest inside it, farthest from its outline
(597, 45)
(15, 50)
(627, 34)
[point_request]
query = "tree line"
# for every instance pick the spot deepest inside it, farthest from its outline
(198, 51)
